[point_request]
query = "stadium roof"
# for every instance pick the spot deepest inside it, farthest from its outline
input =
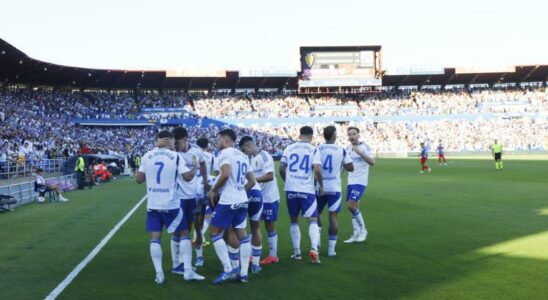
(18, 68)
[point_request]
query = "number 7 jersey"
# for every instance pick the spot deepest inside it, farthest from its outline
(300, 158)
(233, 191)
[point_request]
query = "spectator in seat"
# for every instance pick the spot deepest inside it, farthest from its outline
(43, 187)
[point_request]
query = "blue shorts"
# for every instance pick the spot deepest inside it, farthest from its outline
(354, 192)
(332, 200)
(189, 207)
(301, 203)
(270, 211)
(233, 215)
(255, 208)
(172, 219)
(208, 210)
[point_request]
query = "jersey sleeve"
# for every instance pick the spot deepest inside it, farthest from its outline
(200, 155)
(222, 160)
(283, 159)
(269, 165)
(368, 150)
(346, 157)
(316, 157)
(181, 166)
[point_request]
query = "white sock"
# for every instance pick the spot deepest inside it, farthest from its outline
(245, 253)
(222, 252)
(156, 255)
(359, 219)
(355, 225)
(295, 232)
(186, 253)
(314, 234)
(199, 251)
(194, 233)
(234, 255)
(319, 236)
(332, 244)
(175, 251)
(255, 254)
(204, 229)
(273, 243)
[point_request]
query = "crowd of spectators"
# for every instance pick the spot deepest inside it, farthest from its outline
(38, 124)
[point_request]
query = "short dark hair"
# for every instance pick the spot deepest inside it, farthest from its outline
(179, 132)
(328, 132)
(165, 134)
(244, 140)
(39, 170)
(353, 128)
(202, 142)
(306, 130)
(228, 132)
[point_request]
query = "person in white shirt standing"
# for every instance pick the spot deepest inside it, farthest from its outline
(362, 157)
(160, 169)
(202, 204)
(263, 169)
(299, 166)
(334, 158)
(230, 209)
(186, 192)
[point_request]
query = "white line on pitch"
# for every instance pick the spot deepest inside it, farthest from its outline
(59, 289)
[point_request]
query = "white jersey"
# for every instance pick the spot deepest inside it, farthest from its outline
(233, 190)
(40, 180)
(263, 164)
(188, 189)
(361, 167)
(334, 157)
(300, 158)
(162, 168)
(211, 166)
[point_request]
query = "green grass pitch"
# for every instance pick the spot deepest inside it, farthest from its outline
(465, 231)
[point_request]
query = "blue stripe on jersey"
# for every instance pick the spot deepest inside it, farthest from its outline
(264, 156)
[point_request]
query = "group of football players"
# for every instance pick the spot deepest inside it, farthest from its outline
(188, 186)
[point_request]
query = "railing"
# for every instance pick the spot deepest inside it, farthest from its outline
(24, 192)
(26, 168)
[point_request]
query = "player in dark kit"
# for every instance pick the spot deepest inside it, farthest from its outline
(424, 156)
(441, 154)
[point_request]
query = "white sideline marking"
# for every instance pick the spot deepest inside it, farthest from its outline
(61, 287)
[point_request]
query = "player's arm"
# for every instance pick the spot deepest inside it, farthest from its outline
(189, 175)
(269, 176)
(250, 181)
(283, 169)
(283, 165)
(266, 178)
(347, 162)
(349, 167)
(203, 171)
(139, 177)
(140, 174)
(369, 160)
(317, 165)
(221, 180)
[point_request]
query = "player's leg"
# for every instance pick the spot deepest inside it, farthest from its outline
(199, 245)
(354, 193)
(174, 220)
(220, 222)
(239, 222)
(255, 211)
(270, 216)
(334, 208)
(293, 208)
(310, 212)
(233, 244)
(321, 202)
(154, 225)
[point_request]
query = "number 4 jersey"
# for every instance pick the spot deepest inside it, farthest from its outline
(300, 158)
(162, 167)
(334, 157)
(233, 191)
